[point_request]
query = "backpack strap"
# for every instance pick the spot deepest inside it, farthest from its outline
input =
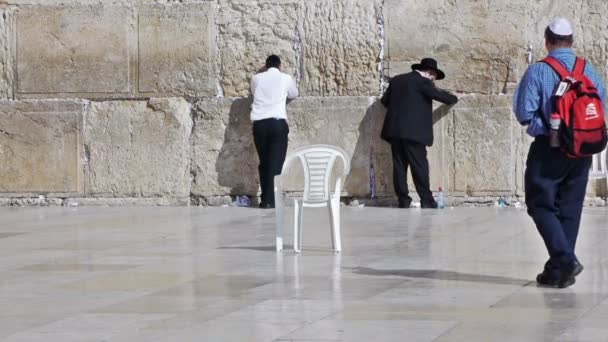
(579, 66)
(557, 66)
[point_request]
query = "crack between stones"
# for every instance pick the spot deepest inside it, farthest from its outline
(219, 89)
(383, 64)
(297, 47)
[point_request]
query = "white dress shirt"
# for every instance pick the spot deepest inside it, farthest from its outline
(270, 90)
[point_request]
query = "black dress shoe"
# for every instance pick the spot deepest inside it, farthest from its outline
(405, 204)
(568, 273)
(429, 205)
(266, 206)
(546, 281)
(566, 278)
(578, 268)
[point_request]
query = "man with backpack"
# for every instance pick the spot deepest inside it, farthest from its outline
(561, 99)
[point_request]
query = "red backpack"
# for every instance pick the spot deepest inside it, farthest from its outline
(582, 132)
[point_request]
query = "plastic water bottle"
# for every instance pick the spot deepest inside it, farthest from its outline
(440, 199)
(555, 122)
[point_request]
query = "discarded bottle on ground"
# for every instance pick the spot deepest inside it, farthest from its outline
(440, 199)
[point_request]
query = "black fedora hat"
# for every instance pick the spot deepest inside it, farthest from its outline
(429, 63)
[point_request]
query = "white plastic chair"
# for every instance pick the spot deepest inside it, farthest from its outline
(599, 167)
(318, 162)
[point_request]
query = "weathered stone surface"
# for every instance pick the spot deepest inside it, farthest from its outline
(224, 160)
(589, 18)
(250, 30)
(441, 154)
(479, 47)
(6, 53)
(67, 51)
(30, 202)
(205, 48)
(351, 123)
(138, 148)
(120, 202)
(177, 50)
(487, 144)
(482, 46)
(40, 147)
(340, 47)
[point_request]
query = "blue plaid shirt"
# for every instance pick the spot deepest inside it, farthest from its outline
(533, 95)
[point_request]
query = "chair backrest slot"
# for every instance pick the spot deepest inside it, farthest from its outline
(317, 162)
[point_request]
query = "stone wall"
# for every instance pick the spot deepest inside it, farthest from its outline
(146, 101)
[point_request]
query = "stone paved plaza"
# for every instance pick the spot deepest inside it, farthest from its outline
(211, 274)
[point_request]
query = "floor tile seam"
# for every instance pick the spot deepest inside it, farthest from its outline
(177, 315)
(50, 321)
(449, 331)
(584, 313)
(515, 291)
(308, 324)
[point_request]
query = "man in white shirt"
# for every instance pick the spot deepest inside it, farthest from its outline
(270, 89)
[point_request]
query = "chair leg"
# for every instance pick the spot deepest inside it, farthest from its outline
(300, 226)
(334, 210)
(332, 228)
(279, 212)
(297, 226)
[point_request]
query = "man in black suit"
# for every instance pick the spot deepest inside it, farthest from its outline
(408, 127)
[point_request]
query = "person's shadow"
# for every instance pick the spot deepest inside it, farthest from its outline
(441, 275)
(358, 181)
(237, 162)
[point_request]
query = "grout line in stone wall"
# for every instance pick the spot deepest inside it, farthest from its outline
(219, 89)
(382, 63)
(192, 166)
(86, 165)
(297, 47)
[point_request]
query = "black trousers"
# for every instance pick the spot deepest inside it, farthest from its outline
(555, 192)
(270, 138)
(407, 153)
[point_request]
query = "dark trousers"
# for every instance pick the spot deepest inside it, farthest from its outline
(270, 138)
(555, 192)
(407, 153)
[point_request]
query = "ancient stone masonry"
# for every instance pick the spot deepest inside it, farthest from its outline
(126, 102)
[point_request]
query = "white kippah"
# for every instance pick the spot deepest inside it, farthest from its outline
(561, 26)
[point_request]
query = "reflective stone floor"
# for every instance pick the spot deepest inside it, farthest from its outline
(211, 274)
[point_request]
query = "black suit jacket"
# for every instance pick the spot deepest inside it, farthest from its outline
(409, 99)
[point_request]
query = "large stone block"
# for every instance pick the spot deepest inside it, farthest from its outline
(589, 18)
(351, 123)
(488, 145)
(40, 147)
(225, 160)
(341, 45)
(177, 50)
(249, 31)
(6, 53)
(224, 157)
(480, 47)
(67, 51)
(138, 148)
